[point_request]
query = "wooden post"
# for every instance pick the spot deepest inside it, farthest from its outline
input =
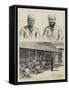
(60, 57)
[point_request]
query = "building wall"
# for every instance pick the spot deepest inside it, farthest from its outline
(31, 53)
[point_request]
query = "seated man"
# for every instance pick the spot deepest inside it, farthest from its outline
(22, 70)
(38, 67)
(43, 65)
(27, 72)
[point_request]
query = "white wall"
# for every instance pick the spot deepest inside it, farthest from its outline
(4, 44)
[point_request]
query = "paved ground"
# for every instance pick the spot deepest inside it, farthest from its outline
(58, 73)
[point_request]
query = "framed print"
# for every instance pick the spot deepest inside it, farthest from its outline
(37, 44)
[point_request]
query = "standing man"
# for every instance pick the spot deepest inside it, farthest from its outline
(29, 32)
(52, 32)
(52, 63)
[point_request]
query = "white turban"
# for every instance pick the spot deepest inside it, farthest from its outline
(51, 16)
(30, 16)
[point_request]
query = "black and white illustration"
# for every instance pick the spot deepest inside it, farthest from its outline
(41, 45)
